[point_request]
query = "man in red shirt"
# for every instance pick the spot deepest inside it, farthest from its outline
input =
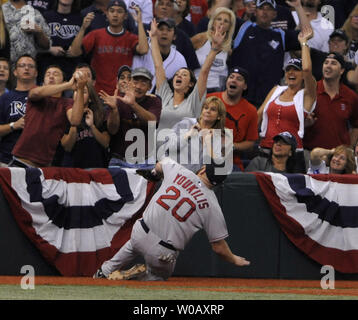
(335, 119)
(110, 47)
(47, 113)
(241, 116)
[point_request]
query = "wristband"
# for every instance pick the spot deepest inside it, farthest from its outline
(304, 44)
(12, 126)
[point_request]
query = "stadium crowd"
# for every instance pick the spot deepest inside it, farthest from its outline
(77, 75)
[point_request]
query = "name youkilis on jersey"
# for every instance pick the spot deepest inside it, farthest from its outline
(190, 187)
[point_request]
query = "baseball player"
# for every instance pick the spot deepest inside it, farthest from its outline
(184, 204)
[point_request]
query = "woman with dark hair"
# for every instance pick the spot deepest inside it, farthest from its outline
(65, 22)
(339, 160)
(181, 10)
(86, 146)
(281, 158)
(185, 96)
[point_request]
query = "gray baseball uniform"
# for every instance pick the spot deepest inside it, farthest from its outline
(182, 206)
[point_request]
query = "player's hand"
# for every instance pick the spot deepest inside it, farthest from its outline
(240, 261)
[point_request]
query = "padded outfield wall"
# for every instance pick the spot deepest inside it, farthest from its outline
(254, 234)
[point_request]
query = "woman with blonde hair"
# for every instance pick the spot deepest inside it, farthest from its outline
(193, 140)
(4, 38)
(350, 27)
(202, 44)
(339, 160)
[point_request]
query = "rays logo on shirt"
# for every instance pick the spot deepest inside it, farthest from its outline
(63, 31)
(17, 108)
(274, 44)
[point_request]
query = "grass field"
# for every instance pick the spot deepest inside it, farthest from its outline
(63, 288)
(68, 292)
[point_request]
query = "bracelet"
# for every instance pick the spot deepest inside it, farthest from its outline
(215, 49)
(304, 44)
(11, 124)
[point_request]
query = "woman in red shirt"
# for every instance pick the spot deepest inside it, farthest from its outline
(285, 106)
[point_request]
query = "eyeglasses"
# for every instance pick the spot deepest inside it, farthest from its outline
(24, 65)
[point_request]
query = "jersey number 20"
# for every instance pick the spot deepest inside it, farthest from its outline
(173, 193)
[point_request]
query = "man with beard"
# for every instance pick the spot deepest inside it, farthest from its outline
(335, 118)
(281, 158)
(241, 116)
(322, 27)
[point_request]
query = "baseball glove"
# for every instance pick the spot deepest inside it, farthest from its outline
(148, 175)
(133, 273)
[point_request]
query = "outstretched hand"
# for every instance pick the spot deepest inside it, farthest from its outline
(218, 38)
(138, 13)
(153, 28)
(294, 3)
(305, 34)
(109, 100)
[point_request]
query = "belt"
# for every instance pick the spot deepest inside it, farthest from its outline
(161, 242)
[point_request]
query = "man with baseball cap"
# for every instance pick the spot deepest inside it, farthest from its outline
(168, 225)
(241, 116)
(110, 47)
(338, 43)
(134, 110)
(282, 158)
(257, 40)
(335, 118)
(173, 60)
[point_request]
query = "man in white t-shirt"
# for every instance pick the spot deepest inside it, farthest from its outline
(184, 204)
(322, 27)
(173, 60)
